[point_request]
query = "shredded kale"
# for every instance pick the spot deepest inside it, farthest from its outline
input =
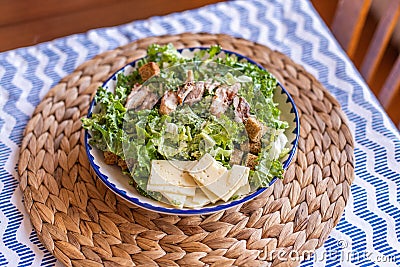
(106, 125)
(187, 134)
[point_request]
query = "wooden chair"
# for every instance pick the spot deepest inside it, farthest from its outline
(349, 22)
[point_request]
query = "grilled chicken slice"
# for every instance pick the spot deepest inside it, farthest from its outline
(223, 98)
(169, 102)
(196, 94)
(187, 88)
(140, 98)
(241, 109)
(184, 91)
(149, 101)
(136, 97)
(210, 86)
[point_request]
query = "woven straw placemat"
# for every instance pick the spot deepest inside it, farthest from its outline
(84, 224)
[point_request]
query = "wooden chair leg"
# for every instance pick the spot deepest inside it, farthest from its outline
(380, 40)
(391, 86)
(348, 23)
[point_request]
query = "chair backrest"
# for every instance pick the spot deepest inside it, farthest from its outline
(348, 25)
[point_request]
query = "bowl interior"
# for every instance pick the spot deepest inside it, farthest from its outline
(118, 182)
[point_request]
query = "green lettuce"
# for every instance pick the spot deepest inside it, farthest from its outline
(105, 126)
(188, 133)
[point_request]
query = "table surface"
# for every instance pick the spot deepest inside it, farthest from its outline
(368, 233)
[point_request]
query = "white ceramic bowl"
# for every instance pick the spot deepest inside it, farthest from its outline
(118, 182)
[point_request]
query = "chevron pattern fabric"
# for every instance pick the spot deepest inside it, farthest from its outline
(369, 231)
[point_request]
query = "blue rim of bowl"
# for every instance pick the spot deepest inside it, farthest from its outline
(205, 210)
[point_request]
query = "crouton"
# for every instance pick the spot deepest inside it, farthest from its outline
(253, 128)
(148, 70)
(255, 147)
(251, 161)
(236, 157)
(110, 158)
(122, 164)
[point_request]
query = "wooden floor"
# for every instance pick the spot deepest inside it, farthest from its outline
(28, 22)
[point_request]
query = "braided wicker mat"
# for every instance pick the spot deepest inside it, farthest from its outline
(84, 224)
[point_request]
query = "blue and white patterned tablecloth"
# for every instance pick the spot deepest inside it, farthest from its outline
(368, 233)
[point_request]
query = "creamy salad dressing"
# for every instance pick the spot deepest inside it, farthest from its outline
(191, 128)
